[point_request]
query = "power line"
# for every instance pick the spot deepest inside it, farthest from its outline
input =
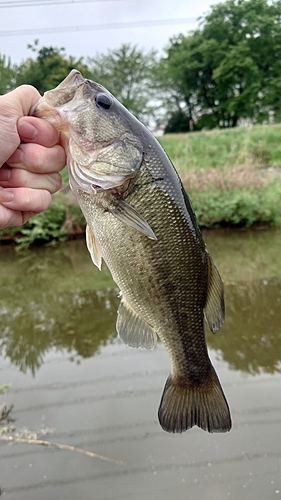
(98, 27)
(36, 3)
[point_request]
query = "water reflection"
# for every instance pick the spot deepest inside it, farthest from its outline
(80, 321)
(55, 298)
(250, 340)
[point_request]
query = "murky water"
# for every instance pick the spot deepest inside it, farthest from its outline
(73, 383)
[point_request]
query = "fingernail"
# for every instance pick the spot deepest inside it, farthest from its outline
(6, 196)
(27, 131)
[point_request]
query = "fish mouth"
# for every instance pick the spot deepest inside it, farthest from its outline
(63, 93)
(42, 110)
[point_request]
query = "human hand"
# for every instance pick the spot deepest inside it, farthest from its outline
(30, 158)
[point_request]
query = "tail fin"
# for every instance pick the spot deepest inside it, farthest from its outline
(184, 405)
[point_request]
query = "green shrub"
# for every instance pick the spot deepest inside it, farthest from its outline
(44, 227)
(239, 207)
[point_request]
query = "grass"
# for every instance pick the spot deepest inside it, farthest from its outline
(232, 177)
(224, 149)
(245, 206)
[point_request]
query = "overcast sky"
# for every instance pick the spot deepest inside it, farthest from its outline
(84, 27)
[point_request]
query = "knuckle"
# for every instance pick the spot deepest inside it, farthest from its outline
(35, 200)
(57, 182)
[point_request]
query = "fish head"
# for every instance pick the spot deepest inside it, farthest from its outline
(102, 148)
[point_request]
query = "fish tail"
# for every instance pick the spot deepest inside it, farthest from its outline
(184, 405)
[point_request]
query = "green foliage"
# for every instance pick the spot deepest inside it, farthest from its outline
(64, 174)
(44, 227)
(260, 154)
(239, 207)
(49, 68)
(219, 149)
(128, 73)
(230, 67)
(178, 122)
(63, 219)
(7, 75)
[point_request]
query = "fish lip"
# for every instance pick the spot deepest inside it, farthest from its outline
(74, 78)
(41, 109)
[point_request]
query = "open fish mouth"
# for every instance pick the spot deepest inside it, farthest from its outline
(64, 92)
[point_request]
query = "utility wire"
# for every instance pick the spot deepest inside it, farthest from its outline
(96, 27)
(36, 3)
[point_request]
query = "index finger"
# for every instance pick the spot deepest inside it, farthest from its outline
(18, 102)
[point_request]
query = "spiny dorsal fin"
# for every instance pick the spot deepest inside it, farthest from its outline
(214, 307)
(93, 247)
(132, 329)
(127, 214)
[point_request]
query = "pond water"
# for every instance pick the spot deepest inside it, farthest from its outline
(74, 383)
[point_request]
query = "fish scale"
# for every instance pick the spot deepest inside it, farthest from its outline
(142, 225)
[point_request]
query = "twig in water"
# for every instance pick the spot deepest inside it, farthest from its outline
(61, 447)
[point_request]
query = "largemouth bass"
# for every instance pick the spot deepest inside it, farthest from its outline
(140, 222)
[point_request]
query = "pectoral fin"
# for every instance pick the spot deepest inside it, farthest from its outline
(127, 214)
(214, 306)
(132, 329)
(93, 247)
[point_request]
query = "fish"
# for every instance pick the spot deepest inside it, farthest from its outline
(141, 223)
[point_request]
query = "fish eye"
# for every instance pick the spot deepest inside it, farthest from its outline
(103, 101)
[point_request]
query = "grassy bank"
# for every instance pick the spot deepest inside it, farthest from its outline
(241, 147)
(232, 176)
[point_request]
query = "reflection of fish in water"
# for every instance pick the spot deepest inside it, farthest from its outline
(141, 223)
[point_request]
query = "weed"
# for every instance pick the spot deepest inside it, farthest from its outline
(223, 149)
(221, 170)
(260, 155)
(239, 207)
(5, 414)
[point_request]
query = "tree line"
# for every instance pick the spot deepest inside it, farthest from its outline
(226, 71)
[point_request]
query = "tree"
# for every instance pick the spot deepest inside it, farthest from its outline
(7, 75)
(178, 122)
(49, 68)
(129, 74)
(230, 67)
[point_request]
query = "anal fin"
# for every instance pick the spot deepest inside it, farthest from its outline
(132, 329)
(214, 306)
